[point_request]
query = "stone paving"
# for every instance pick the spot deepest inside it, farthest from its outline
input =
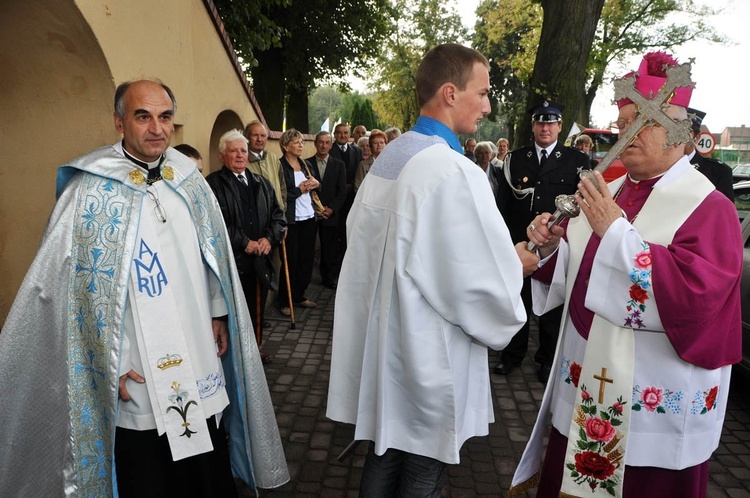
(298, 381)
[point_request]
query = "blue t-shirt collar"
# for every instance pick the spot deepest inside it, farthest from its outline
(430, 126)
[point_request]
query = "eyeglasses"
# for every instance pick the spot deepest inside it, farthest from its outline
(624, 124)
(159, 211)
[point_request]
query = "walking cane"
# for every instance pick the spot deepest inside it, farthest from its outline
(288, 283)
(259, 321)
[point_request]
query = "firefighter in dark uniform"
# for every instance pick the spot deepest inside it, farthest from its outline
(719, 173)
(534, 176)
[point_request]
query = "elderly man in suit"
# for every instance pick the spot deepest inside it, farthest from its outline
(332, 192)
(351, 157)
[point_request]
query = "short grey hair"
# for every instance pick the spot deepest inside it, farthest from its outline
(392, 133)
(488, 146)
(363, 140)
(229, 137)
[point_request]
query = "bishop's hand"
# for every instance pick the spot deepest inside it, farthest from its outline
(596, 202)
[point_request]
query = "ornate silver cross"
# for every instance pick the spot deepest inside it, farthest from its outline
(651, 112)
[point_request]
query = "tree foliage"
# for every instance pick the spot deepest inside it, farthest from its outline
(633, 27)
(324, 103)
(509, 34)
(509, 37)
(568, 29)
(416, 28)
(318, 40)
(327, 102)
(249, 27)
(363, 114)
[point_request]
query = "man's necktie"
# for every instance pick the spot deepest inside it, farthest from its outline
(242, 180)
(543, 159)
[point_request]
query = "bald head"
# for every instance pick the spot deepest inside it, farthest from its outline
(144, 114)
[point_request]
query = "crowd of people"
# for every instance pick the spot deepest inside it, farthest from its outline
(150, 288)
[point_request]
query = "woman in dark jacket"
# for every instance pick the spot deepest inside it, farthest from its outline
(300, 217)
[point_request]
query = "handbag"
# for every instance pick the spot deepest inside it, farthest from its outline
(317, 205)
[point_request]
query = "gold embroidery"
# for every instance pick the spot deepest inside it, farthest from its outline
(137, 177)
(167, 173)
(169, 361)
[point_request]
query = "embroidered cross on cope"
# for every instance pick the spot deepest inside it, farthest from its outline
(603, 379)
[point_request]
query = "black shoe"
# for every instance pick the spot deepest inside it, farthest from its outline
(543, 373)
(505, 368)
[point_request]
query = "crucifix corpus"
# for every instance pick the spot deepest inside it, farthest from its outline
(651, 112)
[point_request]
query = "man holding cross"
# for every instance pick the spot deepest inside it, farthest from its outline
(652, 315)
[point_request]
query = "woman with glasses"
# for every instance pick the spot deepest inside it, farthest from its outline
(300, 216)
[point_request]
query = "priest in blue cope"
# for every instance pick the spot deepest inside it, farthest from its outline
(129, 350)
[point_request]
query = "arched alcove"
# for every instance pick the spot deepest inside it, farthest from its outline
(56, 89)
(225, 121)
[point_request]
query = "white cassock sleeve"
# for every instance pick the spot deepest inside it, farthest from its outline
(463, 261)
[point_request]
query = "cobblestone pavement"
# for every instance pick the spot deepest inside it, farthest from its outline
(298, 381)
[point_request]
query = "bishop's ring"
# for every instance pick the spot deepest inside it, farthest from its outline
(532, 228)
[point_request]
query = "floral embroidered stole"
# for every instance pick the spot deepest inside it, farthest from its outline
(597, 438)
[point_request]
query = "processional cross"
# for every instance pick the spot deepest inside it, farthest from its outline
(651, 112)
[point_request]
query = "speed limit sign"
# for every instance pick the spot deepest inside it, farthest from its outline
(705, 143)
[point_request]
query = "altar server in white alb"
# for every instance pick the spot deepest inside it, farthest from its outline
(430, 280)
(129, 348)
(649, 274)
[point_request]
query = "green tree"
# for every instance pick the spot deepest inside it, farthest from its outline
(324, 103)
(317, 38)
(249, 26)
(508, 35)
(568, 29)
(363, 114)
(355, 117)
(632, 27)
(417, 27)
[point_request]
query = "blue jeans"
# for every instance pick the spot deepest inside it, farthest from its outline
(397, 473)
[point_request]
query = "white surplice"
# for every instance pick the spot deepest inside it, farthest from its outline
(429, 281)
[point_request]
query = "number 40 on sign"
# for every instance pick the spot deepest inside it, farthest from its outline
(705, 143)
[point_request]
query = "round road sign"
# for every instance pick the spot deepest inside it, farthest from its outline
(705, 143)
